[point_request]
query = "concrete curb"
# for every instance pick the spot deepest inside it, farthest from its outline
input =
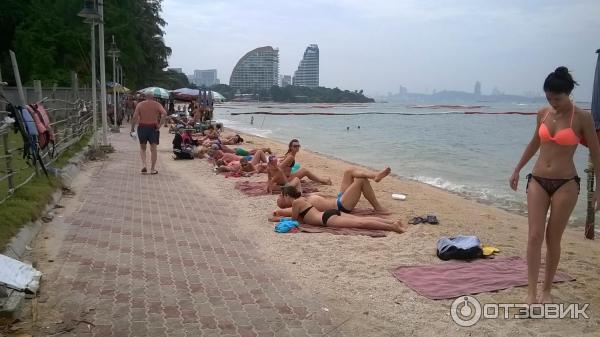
(12, 301)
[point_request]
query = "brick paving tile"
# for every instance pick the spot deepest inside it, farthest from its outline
(153, 265)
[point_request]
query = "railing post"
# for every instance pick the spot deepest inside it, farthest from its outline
(2, 105)
(37, 87)
(23, 101)
(8, 161)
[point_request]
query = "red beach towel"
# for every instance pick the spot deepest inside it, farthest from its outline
(256, 188)
(342, 231)
(458, 278)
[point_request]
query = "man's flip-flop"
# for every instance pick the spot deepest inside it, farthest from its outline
(144, 171)
(154, 172)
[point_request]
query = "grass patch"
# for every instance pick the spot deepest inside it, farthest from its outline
(29, 201)
(25, 205)
(64, 157)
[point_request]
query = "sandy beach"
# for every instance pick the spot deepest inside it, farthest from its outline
(354, 271)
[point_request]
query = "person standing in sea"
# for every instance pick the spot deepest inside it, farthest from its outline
(553, 183)
(150, 115)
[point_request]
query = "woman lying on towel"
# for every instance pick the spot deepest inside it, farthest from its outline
(354, 183)
(240, 151)
(277, 179)
(226, 158)
(243, 166)
(304, 212)
(290, 160)
(233, 140)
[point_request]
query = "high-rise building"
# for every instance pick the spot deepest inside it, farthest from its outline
(477, 90)
(204, 78)
(257, 70)
(307, 74)
(286, 80)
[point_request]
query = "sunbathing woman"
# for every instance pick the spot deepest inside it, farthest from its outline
(304, 212)
(243, 166)
(354, 183)
(240, 151)
(290, 160)
(277, 179)
(258, 157)
(233, 140)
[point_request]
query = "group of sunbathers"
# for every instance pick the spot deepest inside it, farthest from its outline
(284, 176)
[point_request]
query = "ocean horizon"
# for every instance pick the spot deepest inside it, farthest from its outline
(469, 148)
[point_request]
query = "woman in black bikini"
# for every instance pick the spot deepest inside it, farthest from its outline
(303, 211)
(290, 160)
(553, 182)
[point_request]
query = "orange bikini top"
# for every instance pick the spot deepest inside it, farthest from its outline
(564, 136)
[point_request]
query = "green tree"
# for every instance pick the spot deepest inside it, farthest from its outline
(50, 40)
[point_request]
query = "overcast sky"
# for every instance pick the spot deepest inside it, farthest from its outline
(377, 45)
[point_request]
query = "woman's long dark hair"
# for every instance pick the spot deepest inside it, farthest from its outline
(290, 145)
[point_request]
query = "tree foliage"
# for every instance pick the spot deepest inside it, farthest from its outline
(50, 40)
(299, 94)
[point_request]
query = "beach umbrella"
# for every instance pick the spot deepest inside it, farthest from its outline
(156, 91)
(188, 94)
(590, 218)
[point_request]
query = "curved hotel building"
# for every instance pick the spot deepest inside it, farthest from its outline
(307, 74)
(257, 70)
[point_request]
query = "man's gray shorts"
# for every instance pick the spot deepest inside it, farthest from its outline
(147, 134)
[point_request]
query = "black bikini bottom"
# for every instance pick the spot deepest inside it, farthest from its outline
(551, 185)
(328, 214)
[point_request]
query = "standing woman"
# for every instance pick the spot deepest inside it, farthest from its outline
(553, 182)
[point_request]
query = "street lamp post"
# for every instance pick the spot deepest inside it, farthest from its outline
(91, 15)
(114, 52)
(102, 73)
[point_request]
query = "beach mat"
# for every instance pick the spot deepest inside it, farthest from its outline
(304, 228)
(256, 188)
(458, 278)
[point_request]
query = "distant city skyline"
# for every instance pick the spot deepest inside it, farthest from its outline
(377, 45)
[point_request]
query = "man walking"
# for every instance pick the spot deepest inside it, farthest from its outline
(149, 115)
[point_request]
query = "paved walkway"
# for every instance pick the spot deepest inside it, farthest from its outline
(154, 256)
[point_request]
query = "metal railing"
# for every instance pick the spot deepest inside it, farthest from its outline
(70, 121)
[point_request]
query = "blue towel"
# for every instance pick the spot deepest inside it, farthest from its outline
(285, 225)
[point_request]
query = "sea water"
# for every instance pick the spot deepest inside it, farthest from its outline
(470, 154)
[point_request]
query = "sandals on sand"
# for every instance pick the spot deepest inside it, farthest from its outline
(430, 219)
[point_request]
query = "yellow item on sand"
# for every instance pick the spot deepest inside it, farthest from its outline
(489, 250)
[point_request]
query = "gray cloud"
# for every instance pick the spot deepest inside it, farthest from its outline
(377, 45)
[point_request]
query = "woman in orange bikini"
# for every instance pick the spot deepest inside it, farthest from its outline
(553, 183)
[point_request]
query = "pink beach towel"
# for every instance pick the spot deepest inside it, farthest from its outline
(458, 278)
(342, 231)
(256, 188)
